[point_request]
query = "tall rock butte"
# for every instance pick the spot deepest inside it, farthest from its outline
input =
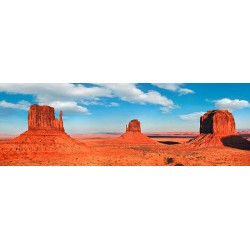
(133, 134)
(217, 122)
(43, 118)
(217, 129)
(45, 134)
(133, 126)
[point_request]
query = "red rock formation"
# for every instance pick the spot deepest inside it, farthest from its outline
(43, 118)
(217, 129)
(45, 134)
(134, 126)
(133, 134)
(219, 122)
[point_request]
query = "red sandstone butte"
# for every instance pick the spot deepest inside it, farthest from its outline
(133, 134)
(43, 118)
(133, 126)
(45, 134)
(217, 129)
(217, 122)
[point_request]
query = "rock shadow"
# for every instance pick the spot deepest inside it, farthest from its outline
(169, 142)
(235, 141)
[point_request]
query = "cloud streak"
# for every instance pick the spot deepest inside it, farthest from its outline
(129, 92)
(174, 87)
(23, 105)
(193, 116)
(231, 105)
(70, 97)
(47, 92)
(113, 104)
(71, 107)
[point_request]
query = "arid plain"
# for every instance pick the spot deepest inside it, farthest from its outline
(102, 151)
(46, 144)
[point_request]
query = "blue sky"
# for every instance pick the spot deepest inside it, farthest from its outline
(93, 108)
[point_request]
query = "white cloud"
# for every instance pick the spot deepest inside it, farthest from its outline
(63, 96)
(226, 103)
(113, 104)
(24, 105)
(193, 116)
(130, 93)
(71, 107)
(94, 101)
(47, 92)
(168, 86)
(70, 96)
(164, 109)
(183, 91)
(174, 87)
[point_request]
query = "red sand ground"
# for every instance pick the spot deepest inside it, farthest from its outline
(100, 150)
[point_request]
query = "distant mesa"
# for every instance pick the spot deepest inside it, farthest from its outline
(133, 126)
(133, 134)
(45, 134)
(217, 129)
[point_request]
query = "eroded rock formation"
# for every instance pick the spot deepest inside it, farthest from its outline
(217, 129)
(45, 134)
(133, 126)
(217, 122)
(43, 118)
(133, 134)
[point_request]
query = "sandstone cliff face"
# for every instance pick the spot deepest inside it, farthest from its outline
(133, 126)
(45, 134)
(219, 122)
(43, 118)
(217, 129)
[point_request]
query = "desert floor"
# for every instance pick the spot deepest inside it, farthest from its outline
(103, 150)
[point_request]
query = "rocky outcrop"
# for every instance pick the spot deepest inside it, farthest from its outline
(45, 134)
(217, 122)
(133, 134)
(43, 118)
(217, 129)
(133, 126)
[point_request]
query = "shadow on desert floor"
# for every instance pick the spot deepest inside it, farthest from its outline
(235, 141)
(169, 142)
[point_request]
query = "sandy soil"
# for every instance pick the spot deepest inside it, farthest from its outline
(103, 150)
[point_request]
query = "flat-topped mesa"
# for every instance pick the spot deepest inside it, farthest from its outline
(43, 118)
(217, 129)
(133, 126)
(133, 134)
(217, 122)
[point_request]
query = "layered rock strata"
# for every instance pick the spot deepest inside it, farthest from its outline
(45, 134)
(43, 118)
(133, 134)
(217, 122)
(217, 129)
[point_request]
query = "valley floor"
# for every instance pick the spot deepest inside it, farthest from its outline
(106, 152)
